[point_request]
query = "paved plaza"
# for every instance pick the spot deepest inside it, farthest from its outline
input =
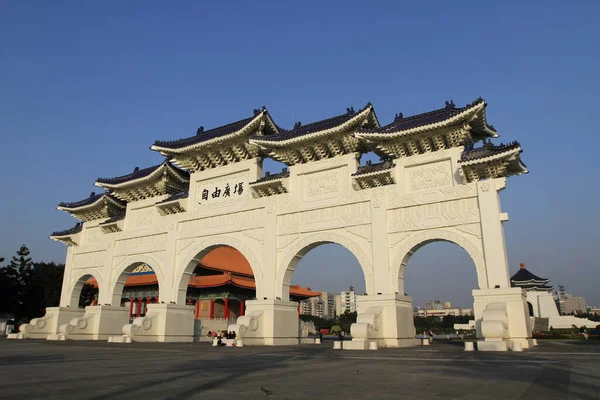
(100, 370)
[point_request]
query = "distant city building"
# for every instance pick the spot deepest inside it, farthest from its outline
(322, 306)
(442, 312)
(338, 304)
(593, 310)
(348, 300)
(328, 299)
(433, 305)
(571, 304)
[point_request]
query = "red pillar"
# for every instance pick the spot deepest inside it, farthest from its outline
(226, 314)
(241, 308)
(197, 309)
(139, 307)
(130, 308)
(212, 308)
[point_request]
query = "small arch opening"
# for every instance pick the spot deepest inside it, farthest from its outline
(85, 292)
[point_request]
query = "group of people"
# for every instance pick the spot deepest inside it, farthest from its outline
(222, 334)
(219, 335)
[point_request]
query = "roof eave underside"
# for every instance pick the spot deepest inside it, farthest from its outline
(345, 126)
(246, 130)
(470, 115)
(154, 175)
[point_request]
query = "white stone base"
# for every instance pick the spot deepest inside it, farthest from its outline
(98, 323)
(40, 328)
(337, 345)
(119, 339)
(394, 327)
(163, 323)
(357, 344)
(15, 336)
(59, 337)
(483, 345)
(268, 322)
(518, 323)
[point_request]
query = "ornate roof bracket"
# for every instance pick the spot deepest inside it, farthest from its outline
(69, 237)
(318, 140)
(113, 225)
(219, 146)
(374, 175)
(146, 183)
(271, 184)
(491, 161)
(174, 204)
(97, 206)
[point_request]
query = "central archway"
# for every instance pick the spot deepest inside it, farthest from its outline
(290, 260)
(190, 259)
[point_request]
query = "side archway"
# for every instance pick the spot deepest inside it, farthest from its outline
(125, 268)
(188, 261)
(78, 281)
(290, 259)
(414, 243)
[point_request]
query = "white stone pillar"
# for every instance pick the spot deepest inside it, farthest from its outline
(379, 243)
(494, 247)
(266, 286)
(65, 296)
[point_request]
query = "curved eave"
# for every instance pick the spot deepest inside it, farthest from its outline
(386, 171)
(66, 239)
(520, 166)
(99, 202)
(268, 182)
(470, 112)
(245, 131)
(155, 175)
(531, 282)
(343, 127)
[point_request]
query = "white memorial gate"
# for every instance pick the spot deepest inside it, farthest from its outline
(434, 184)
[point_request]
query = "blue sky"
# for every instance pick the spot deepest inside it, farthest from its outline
(86, 87)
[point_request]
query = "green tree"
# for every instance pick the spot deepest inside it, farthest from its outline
(21, 269)
(346, 319)
(46, 284)
(8, 290)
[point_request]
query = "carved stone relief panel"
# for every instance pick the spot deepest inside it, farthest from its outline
(142, 217)
(94, 235)
(324, 218)
(427, 216)
(232, 222)
(321, 184)
(89, 260)
(143, 244)
(427, 176)
(432, 195)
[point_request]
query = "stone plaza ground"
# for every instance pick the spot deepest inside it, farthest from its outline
(100, 370)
